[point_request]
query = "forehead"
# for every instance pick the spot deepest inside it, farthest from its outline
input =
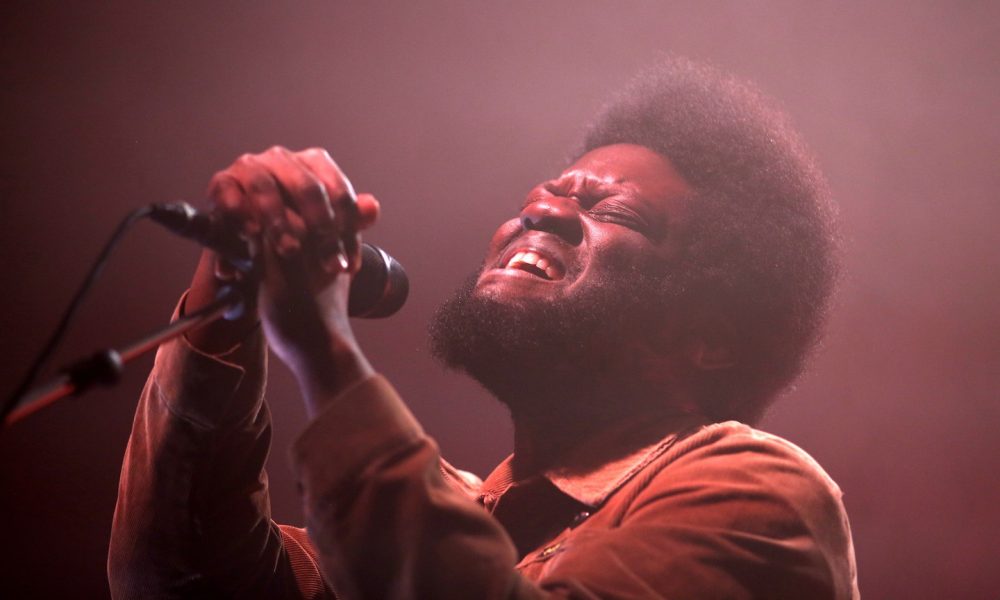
(631, 165)
(620, 163)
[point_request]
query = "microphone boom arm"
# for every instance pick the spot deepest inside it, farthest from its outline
(106, 366)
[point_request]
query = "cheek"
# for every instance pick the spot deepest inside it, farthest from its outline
(504, 234)
(624, 249)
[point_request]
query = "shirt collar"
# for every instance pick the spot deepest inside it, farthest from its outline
(597, 468)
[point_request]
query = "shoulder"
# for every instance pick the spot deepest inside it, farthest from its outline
(745, 453)
(725, 511)
(755, 488)
(733, 463)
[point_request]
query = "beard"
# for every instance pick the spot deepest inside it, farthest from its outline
(535, 354)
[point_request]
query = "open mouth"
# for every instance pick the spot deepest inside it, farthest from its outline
(536, 263)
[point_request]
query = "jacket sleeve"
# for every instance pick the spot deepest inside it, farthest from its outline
(385, 519)
(193, 515)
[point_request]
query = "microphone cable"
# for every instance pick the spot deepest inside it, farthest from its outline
(60, 331)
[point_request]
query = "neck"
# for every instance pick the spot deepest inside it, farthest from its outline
(539, 444)
(549, 426)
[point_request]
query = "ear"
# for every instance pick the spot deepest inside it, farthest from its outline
(710, 344)
(667, 367)
(698, 346)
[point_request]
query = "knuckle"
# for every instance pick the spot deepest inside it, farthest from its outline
(337, 191)
(305, 186)
(219, 179)
(315, 152)
(309, 191)
(223, 185)
(260, 183)
(320, 158)
(313, 189)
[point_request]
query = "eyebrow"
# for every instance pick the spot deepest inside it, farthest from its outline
(574, 182)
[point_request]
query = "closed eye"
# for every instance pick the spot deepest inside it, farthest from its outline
(619, 213)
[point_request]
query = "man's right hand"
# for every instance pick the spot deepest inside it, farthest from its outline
(219, 336)
(288, 203)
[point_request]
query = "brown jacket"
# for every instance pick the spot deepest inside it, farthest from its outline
(661, 508)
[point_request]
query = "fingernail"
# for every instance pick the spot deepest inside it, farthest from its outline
(224, 272)
(335, 263)
(342, 255)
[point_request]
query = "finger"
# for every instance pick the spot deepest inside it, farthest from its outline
(302, 190)
(334, 257)
(366, 213)
(231, 204)
(339, 190)
(344, 203)
(293, 280)
(265, 197)
(288, 273)
(369, 210)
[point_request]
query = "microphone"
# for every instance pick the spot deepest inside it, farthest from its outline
(378, 289)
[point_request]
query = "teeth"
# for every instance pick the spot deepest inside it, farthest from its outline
(530, 257)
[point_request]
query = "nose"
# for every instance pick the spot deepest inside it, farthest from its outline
(556, 215)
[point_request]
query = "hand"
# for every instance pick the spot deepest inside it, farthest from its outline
(302, 219)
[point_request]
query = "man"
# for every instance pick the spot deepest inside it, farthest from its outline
(664, 286)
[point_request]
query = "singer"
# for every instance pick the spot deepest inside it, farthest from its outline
(637, 316)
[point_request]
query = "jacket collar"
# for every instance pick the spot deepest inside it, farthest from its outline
(597, 468)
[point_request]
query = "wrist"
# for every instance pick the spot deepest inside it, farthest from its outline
(325, 376)
(219, 336)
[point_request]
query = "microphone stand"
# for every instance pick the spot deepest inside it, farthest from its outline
(106, 366)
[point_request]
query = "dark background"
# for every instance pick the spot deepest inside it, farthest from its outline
(449, 113)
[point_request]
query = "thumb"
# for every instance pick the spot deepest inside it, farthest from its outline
(368, 210)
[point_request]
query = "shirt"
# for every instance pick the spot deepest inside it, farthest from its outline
(659, 508)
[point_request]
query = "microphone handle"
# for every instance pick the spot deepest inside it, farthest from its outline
(379, 288)
(186, 221)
